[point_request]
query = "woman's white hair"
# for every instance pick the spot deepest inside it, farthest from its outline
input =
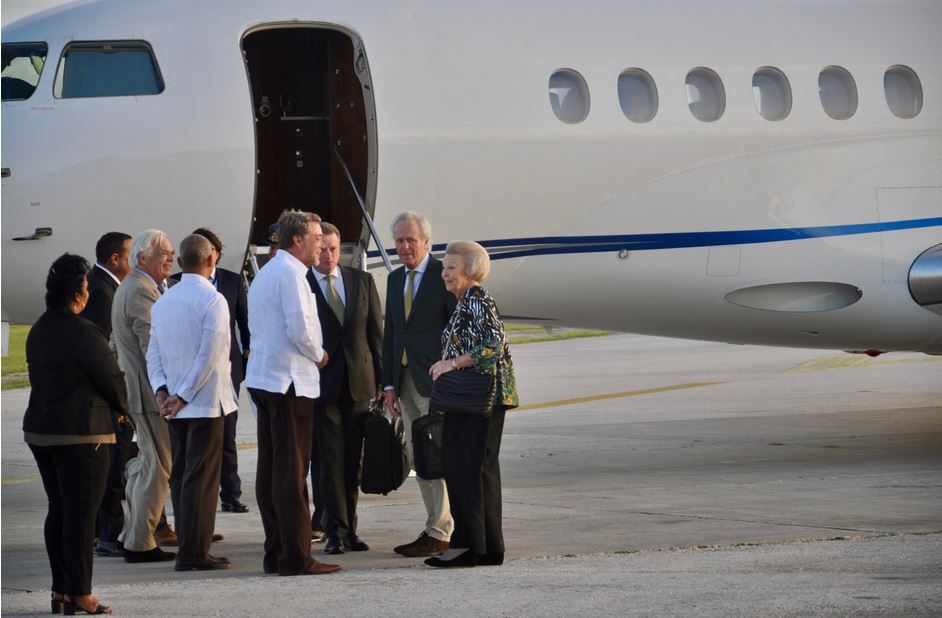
(474, 257)
(424, 226)
(146, 242)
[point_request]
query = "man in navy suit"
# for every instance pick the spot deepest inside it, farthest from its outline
(417, 309)
(112, 264)
(350, 316)
(232, 286)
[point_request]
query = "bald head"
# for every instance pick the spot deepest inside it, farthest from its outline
(196, 255)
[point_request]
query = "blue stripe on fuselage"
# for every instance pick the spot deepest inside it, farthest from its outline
(502, 249)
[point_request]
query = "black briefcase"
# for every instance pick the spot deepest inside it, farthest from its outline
(385, 464)
(427, 446)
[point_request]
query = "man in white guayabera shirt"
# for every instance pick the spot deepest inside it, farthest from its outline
(284, 380)
(188, 364)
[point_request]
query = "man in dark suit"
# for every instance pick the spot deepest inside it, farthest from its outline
(350, 317)
(233, 288)
(417, 309)
(112, 264)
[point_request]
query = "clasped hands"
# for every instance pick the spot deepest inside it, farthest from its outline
(168, 405)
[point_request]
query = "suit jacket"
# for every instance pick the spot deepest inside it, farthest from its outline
(77, 386)
(101, 289)
(421, 334)
(232, 286)
(354, 348)
(130, 322)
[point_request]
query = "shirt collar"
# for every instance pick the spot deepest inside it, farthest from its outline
(422, 265)
(212, 275)
(194, 279)
(146, 274)
(320, 276)
(291, 261)
(110, 274)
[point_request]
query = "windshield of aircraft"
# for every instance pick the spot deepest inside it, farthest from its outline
(22, 65)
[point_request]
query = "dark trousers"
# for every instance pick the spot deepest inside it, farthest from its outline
(110, 512)
(285, 423)
(319, 515)
(470, 449)
(74, 479)
(230, 485)
(196, 444)
(338, 463)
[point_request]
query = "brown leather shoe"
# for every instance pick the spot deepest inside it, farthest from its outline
(322, 568)
(164, 535)
(422, 547)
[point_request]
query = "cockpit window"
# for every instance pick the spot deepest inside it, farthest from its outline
(22, 66)
(107, 69)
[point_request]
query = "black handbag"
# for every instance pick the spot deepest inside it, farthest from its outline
(464, 392)
(427, 446)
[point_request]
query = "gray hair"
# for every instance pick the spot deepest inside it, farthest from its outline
(194, 251)
(146, 243)
(330, 228)
(475, 258)
(424, 226)
(293, 223)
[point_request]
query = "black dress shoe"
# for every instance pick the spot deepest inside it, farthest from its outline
(333, 545)
(467, 559)
(113, 549)
(234, 506)
(153, 555)
(210, 564)
(355, 543)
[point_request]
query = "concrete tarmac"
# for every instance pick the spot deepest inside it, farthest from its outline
(642, 476)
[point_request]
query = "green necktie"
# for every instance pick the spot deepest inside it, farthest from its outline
(407, 304)
(333, 299)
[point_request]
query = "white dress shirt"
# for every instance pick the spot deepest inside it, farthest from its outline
(189, 348)
(337, 283)
(419, 272)
(286, 332)
(110, 274)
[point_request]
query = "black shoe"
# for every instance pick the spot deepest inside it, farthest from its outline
(491, 559)
(467, 559)
(355, 543)
(333, 545)
(422, 546)
(111, 549)
(234, 506)
(153, 555)
(210, 564)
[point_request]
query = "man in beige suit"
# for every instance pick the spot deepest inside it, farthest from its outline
(147, 474)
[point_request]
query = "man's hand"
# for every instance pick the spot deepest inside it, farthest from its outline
(162, 398)
(323, 360)
(391, 401)
(170, 408)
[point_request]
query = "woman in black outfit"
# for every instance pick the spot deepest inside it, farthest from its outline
(77, 391)
(473, 340)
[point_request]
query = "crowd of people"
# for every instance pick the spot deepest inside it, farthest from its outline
(127, 349)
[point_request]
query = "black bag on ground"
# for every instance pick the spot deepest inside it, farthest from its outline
(385, 464)
(427, 445)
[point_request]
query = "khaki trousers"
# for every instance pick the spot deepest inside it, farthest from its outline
(438, 523)
(148, 482)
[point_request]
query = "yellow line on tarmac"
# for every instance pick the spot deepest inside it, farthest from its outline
(643, 391)
(21, 480)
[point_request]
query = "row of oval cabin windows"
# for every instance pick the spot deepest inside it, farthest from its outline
(706, 96)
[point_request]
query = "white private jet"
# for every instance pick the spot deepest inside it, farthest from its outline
(760, 171)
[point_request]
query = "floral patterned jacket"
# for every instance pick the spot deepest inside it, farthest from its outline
(475, 328)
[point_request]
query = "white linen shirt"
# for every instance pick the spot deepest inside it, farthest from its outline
(286, 332)
(189, 348)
